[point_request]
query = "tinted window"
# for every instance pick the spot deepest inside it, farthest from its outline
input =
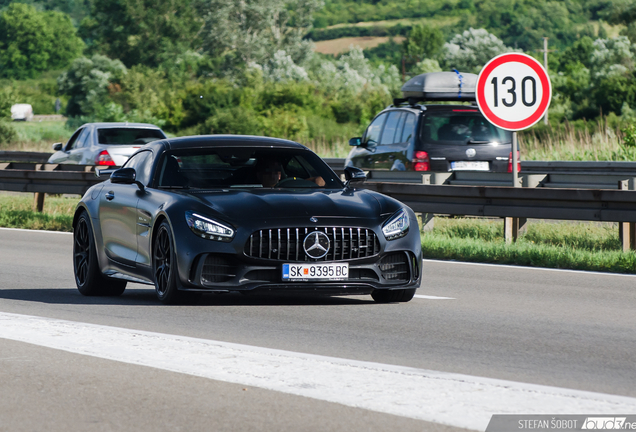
(455, 128)
(239, 167)
(390, 127)
(373, 131)
(127, 136)
(141, 163)
(409, 127)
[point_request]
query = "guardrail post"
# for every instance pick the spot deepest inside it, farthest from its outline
(513, 227)
(627, 230)
(38, 202)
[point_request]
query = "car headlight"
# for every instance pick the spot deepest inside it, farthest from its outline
(209, 229)
(397, 226)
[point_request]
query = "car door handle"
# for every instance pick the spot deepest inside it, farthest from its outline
(110, 195)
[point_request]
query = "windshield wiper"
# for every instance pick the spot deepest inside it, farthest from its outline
(174, 187)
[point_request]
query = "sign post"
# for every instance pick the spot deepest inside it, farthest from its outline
(513, 92)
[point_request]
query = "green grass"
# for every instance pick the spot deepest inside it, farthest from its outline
(579, 246)
(16, 211)
(38, 136)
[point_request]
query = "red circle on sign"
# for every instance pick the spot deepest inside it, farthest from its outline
(545, 97)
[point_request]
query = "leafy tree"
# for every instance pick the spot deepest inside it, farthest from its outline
(471, 50)
(32, 41)
(255, 30)
(141, 31)
(88, 82)
(423, 42)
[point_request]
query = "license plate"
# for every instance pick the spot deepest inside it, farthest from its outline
(313, 272)
(469, 166)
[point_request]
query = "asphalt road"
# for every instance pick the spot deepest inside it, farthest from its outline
(572, 330)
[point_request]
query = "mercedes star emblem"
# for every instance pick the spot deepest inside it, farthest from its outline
(316, 244)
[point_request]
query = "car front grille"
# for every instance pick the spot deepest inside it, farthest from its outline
(395, 267)
(286, 244)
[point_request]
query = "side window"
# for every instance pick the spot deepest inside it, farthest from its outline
(81, 141)
(390, 127)
(373, 131)
(400, 127)
(409, 127)
(71, 143)
(141, 163)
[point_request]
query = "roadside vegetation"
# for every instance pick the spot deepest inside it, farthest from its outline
(565, 245)
(16, 211)
(201, 69)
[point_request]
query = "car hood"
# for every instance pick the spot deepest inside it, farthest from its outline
(267, 204)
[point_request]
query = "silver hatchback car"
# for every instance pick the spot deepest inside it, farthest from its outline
(105, 144)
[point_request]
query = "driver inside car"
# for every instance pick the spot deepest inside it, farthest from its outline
(269, 172)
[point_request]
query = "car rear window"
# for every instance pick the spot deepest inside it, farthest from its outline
(461, 128)
(127, 136)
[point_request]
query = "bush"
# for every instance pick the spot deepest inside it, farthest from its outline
(629, 136)
(7, 133)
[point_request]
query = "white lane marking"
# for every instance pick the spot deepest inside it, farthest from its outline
(529, 268)
(428, 297)
(35, 231)
(440, 397)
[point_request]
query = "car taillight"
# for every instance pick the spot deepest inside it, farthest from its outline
(421, 162)
(510, 162)
(104, 159)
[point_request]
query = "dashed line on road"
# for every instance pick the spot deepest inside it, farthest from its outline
(440, 397)
(429, 297)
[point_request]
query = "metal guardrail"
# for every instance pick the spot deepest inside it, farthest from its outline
(567, 204)
(46, 179)
(588, 196)
(28, 157)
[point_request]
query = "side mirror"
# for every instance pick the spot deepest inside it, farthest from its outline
(58, 146)
(354, 175)
(123, 176)
(355, 142)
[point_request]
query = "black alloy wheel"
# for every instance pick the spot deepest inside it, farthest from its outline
(88, 278)
(165, 269)
(162, 260)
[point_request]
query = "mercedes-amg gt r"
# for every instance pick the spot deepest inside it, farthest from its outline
(211, 214)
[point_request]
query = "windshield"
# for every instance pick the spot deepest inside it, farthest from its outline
(245, 167)
(461, 128)
(128, 136)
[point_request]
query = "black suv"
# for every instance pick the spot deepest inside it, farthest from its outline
(409, 135)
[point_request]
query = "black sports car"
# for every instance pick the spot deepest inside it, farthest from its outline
(236, 213)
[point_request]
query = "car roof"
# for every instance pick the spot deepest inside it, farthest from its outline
(228, 141)
(423, 109)
(122, 125)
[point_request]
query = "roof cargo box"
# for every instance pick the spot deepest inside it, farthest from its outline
(441, 86)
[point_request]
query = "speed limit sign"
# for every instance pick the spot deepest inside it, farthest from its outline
(513, 91)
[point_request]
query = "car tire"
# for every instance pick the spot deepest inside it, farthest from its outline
(164, 264)
(88, 278)
(393, 296)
